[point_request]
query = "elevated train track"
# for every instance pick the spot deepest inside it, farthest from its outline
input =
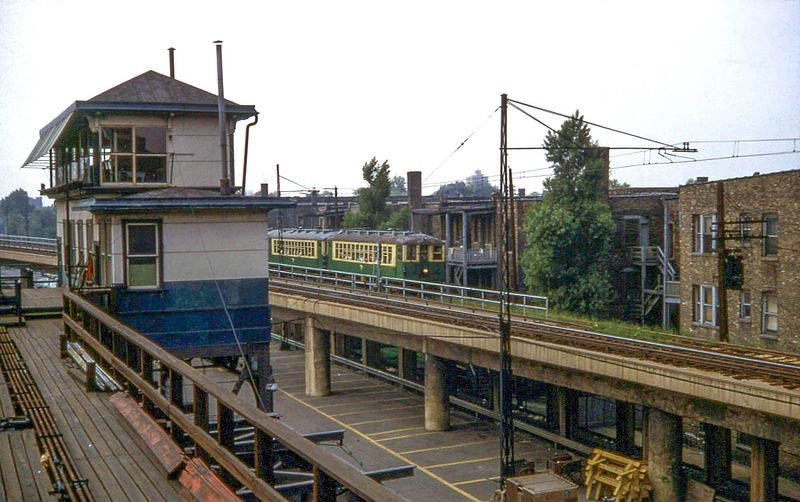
(742, 363)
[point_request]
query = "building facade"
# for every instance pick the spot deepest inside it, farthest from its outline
(759, 229)
(142, 213)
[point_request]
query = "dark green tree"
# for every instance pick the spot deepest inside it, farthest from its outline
(372, 208)
(568, 234)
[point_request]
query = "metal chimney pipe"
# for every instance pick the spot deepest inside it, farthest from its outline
(224, 182)
(171, 62)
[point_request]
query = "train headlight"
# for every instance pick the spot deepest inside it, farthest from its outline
(425, 271)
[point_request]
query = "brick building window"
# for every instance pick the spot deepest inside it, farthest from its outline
(704, 300)
(745, 229)
(769, 313)
(704, 226)
(770, 233)
(745, 305)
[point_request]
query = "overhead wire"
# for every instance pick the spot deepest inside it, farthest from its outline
(461, 144)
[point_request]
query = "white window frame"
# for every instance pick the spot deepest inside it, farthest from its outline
(743, 304)
(110, 154)
(764, 232)
(766, 315)
(156, 255)
(699, 305)
(699, 229)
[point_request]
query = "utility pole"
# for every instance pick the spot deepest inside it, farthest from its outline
(722, 297)
(506, 377)
(278, 176)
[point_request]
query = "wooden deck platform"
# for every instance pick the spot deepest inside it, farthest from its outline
(105, 449)
(22, 476)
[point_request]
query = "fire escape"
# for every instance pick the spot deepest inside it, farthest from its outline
(659, 280)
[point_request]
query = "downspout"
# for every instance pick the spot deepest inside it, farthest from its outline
(246, 145)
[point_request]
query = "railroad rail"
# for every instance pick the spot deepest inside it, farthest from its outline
(745, 363)
(67, 482)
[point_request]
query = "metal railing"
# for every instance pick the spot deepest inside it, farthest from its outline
(156, 378)
(481, 255)
(487, 299)
(40, 244)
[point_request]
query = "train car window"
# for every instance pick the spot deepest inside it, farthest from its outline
(411, 253)
(300, 248)
(437, 253)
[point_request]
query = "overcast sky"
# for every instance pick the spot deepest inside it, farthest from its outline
(337, 83)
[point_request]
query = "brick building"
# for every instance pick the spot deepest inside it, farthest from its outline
(761, 226)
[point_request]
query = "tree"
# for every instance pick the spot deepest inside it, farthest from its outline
(615, 183)
(398, 186)
(21, 218)
(568, 234)
(476, 185)
(372, 209)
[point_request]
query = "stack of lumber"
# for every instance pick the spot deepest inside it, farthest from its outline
(612, 474)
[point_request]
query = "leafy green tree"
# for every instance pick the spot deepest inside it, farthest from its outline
(615, 183)
(398, 186)
(568, 234)
(397, 220)
(372, 208)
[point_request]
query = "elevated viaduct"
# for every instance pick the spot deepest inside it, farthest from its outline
(723, 391)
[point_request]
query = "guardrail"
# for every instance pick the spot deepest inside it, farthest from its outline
(488, 299)
(156, 378)
(475, 256)
(41, 244)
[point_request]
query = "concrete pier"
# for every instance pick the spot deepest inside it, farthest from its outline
(437, 408)
(717, 455)
(318, 360)
(626, 427)
(664, 448)
(763, 470)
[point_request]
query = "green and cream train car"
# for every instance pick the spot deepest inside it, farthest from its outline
(402, 255)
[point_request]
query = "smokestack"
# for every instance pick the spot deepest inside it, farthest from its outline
(414, 182)
(171, 62)
(224, 182)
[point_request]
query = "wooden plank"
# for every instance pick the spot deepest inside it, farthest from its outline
(165, 450)
(201, 484)
(130, 452)
(334, 466)
(38, 472)
(11, 489)
(78, 427)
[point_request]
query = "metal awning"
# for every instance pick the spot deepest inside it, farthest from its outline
(49, 135)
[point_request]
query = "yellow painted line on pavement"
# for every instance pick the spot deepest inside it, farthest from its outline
(400, 456)
(407, 436)
(448, 447)
(460, 462)
(395, 430)
(383, 420)
(377, 410)
(353, 403)
(472, 481)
